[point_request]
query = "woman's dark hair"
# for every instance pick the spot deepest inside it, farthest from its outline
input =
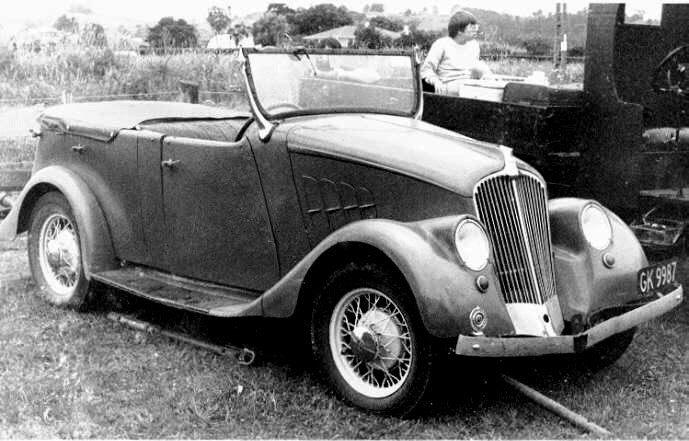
(459, 22)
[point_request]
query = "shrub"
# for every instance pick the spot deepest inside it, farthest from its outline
(100, 74)
(538, 46)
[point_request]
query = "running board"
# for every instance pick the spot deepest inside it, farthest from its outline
(183, 293)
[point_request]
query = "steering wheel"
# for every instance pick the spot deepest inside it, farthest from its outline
(285, 105)
(672, 74)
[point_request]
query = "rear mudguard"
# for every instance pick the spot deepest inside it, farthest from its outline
(424, 252)
(96, 244)
(585, 284)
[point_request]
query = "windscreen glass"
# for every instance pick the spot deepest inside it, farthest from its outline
(303, 83)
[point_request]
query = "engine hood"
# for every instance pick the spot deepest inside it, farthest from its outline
(400, 145)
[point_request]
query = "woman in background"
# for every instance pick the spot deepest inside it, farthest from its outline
(454, 58)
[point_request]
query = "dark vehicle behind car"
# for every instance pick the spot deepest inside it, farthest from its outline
(621, 137)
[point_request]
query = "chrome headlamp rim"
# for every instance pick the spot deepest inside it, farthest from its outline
(596, 206)
(462, 258)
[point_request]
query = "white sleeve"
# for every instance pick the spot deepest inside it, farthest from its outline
(429, 68)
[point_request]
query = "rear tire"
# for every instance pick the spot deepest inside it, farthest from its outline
(54, 247)
(369, 341)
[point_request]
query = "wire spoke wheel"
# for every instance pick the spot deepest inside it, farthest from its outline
(55, 253)
(370, 342)
(59, 254)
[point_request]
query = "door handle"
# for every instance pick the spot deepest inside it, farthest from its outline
(170, 163)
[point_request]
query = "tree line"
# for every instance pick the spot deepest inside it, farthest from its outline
(501, 33)
(280, 25)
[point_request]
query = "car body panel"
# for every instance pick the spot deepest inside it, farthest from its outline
(216, 225)
(334, 192)
(273, 164)
(400, 145)
(586, 285)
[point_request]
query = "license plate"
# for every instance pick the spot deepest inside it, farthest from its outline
(657, 277)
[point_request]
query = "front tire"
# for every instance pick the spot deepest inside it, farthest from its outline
(607, 352)
(368, 337)
(55, 253)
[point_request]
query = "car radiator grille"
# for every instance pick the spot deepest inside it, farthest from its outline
(514, 210)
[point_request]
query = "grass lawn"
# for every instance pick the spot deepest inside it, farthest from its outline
(68, 374)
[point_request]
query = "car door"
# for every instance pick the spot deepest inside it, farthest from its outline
(217, 224)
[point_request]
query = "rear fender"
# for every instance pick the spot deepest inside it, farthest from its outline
(96, 243)
(584, 283)
(444, 289)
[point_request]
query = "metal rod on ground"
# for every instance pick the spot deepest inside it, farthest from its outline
(242, 355)
(557, 408)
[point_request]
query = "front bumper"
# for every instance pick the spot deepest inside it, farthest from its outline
(481, 346)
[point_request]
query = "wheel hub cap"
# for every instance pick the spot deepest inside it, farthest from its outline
(60, 251)
(364, 344)
(59, 254)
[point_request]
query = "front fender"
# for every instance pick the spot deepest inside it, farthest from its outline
(584, 283)
(445, 291)
(96, 243)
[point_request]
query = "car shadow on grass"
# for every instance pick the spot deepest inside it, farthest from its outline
(274, 340)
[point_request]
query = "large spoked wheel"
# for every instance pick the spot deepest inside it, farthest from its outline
(368, 337)
(55, 253)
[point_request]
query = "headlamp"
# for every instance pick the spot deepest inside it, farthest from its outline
(596, 226)
(472, 244)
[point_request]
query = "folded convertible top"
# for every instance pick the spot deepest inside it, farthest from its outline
(104, 120)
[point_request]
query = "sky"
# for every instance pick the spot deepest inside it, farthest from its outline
(150, 11)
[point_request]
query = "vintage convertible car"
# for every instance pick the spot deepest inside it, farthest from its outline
(394, 240)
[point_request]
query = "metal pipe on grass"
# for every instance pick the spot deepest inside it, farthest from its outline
(556, 408)
(242, 355)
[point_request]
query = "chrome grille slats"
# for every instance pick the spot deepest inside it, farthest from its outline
(503, 259)
(515, 213)
(519, 265)
(528, 193)
(538, 220)
(494, 223)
